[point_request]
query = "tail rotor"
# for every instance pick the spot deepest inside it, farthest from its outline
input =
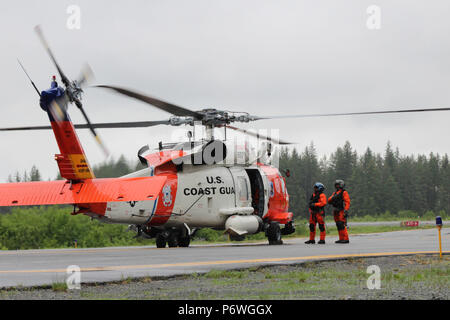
(72, 92)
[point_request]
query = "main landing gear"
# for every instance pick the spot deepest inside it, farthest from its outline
(274, 232)
(173, 238)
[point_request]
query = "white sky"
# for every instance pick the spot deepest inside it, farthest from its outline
(263, 57)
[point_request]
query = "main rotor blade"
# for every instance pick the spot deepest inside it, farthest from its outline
(106, 125)
(134, 124)
(26, 128)
(87, 76)
(165, 106)
(259, 136)
(40, 34)
(349, 113)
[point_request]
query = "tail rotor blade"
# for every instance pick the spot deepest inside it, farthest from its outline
(44, 42)
(87, 76)
(58, 108)
(94, 133)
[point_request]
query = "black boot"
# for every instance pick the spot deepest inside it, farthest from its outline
(321, 242)
(310, 241)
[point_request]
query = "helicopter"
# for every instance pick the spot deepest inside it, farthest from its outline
(185, 186)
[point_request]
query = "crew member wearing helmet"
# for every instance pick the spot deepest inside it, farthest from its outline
(340, 200)
(317, 205)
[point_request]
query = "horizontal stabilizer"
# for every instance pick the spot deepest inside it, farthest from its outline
(87, 191)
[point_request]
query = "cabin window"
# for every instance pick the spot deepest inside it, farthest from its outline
(243, 189)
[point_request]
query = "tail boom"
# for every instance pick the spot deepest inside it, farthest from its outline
(72, 161)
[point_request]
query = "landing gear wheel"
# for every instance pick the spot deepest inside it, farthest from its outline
(161, 241)
(274, 233)
(184, 241)
(172, 241)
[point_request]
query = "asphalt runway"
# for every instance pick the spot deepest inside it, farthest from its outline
(393, 223)
(43, 267)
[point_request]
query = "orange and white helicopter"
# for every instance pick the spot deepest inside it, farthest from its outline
(204, 183)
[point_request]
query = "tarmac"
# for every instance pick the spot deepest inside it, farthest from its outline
(48, 266)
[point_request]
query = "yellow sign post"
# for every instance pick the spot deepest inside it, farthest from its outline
(439, 227)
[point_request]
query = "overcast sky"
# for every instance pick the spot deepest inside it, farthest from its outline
(263, 57)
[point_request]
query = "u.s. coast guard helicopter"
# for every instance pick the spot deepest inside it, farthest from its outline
(200, 183)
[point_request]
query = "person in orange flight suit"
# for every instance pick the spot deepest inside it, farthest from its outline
(340, 200)
(317, 205)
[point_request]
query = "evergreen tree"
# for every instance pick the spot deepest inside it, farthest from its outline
(17, 177)
(364, 185)
(343, 162)
(413, 197)
(35, 175)
(390, 159)
(444, 189)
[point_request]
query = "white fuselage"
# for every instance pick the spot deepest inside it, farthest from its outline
(207, 196)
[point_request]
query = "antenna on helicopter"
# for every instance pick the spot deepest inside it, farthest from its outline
(32, 83)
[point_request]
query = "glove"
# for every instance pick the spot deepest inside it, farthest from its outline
(333, 200)
(312, 206)
(345, 214)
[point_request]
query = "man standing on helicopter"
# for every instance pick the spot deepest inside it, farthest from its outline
(317, 205)
(340, 200)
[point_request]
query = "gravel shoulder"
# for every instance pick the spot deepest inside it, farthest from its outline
(402, 277)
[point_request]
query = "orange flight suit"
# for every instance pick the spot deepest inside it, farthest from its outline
(341, 203)
(317, 214)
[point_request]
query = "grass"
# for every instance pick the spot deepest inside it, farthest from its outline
(216, 274)
(126, 280)
(410, 277)
(59, 286)
(314, 279)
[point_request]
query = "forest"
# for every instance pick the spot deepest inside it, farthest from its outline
(383, 186)
(377, 183)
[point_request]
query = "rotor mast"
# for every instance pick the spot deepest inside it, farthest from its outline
(209, 130)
